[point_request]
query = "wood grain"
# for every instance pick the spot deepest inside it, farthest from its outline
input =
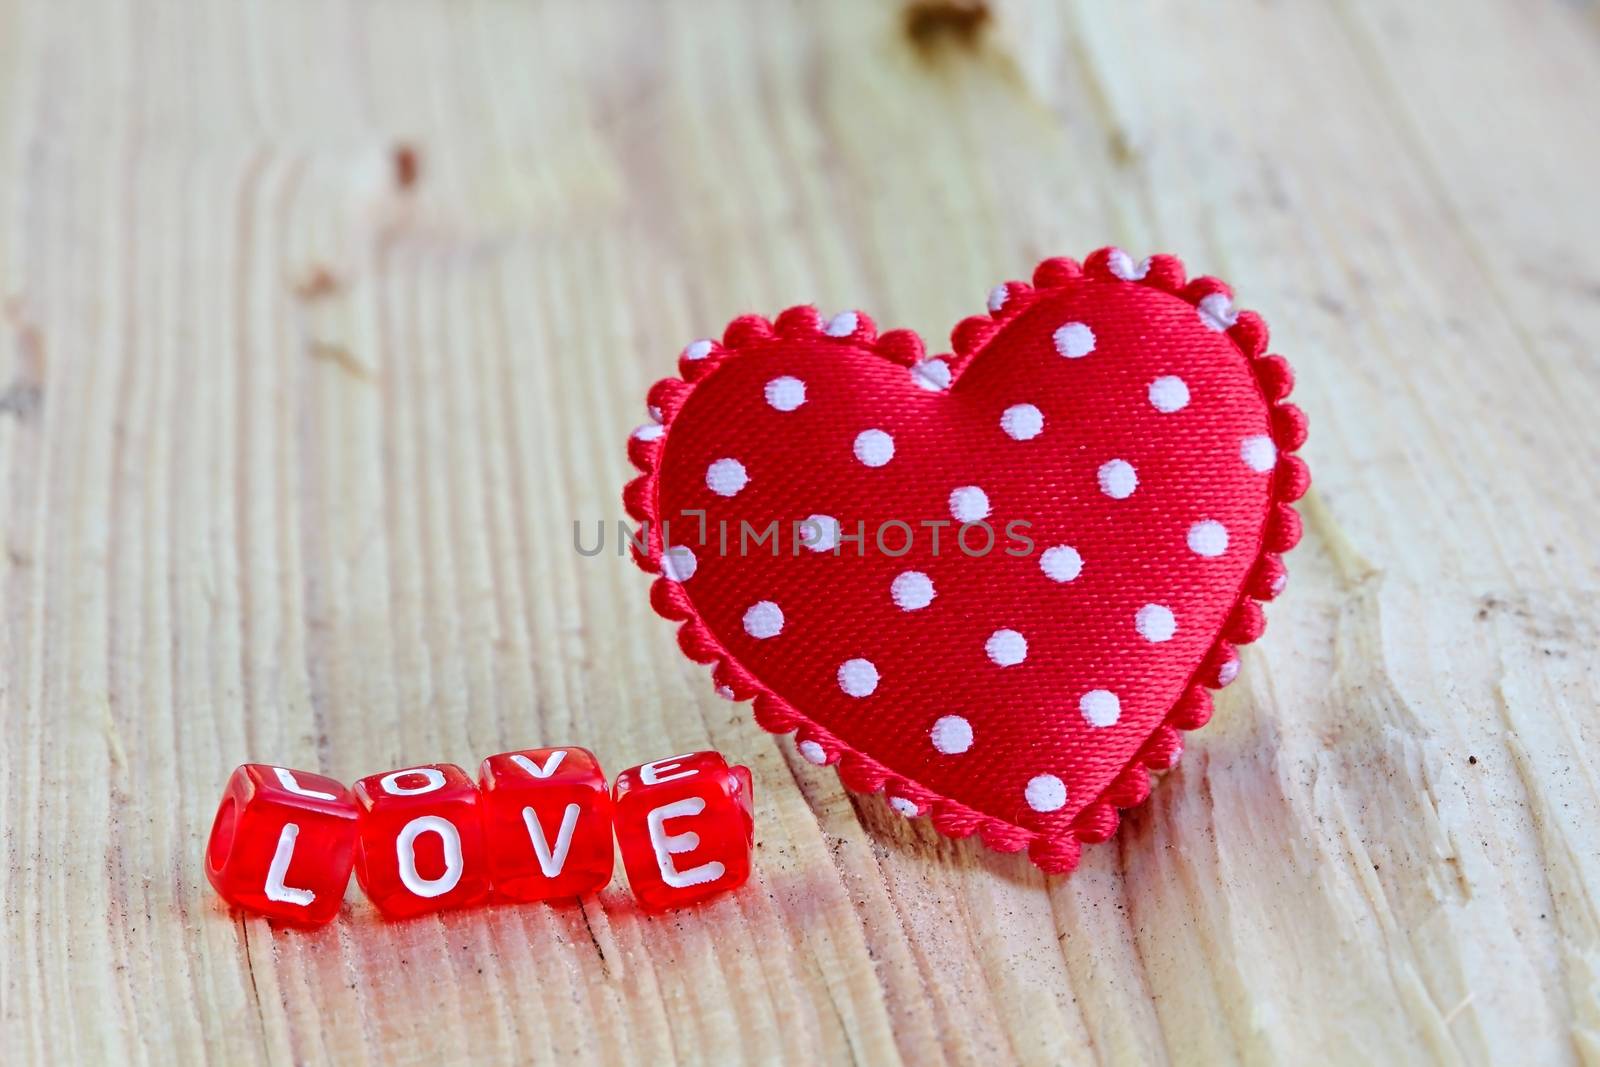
(323, 321)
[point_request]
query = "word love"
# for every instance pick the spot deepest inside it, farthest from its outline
(536, 825)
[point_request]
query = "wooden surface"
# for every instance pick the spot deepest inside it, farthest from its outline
(324, 320)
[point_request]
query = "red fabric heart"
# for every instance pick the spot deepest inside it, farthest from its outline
(1125, 438)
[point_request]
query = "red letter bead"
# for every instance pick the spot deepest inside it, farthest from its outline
(547, 815)
(282, 844)
(685, 828)
(421, 846)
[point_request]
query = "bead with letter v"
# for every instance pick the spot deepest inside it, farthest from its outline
(547, 817)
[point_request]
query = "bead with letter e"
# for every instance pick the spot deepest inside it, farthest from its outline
(685, 827)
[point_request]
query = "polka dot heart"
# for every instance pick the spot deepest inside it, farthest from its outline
(994, 583)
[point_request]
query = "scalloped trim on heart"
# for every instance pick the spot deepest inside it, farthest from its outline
(1055, 851)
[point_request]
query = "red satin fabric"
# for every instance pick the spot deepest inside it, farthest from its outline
(1016, 739)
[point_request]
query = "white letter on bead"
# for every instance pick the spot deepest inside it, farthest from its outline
(405, 847)
(286, 778)
(650, 773)
(666, 844)
(551, 862)
(391, 782)
(534, 769)
(276, 890)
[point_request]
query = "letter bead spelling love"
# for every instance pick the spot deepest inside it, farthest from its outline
(282, 844)
(549, 810)
(421, 845)
(537, 825)
(685, 828)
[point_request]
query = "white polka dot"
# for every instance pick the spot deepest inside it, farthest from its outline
(813, 752)
(726, 477)
(650, 431)
(1208, 538)
(763, 619)
(1122, 266)
(858, 677)
(678, 563)
(1100, 707)
(1118, 479)
(951, 735)
(1155, 622)
(905, 807)
(874, 447)
(654, 412)
(1006, 648)
(698, 350)
(997, 297)
(1062, 563)
(1228, 671)
(911, 590)
(969, 504)
(1046, 792)
(931, 374)
(1022, 422)
(820, 533)
(1074, 340)
(1169, 394)
(725, 692)
(786, 393)
(1258, 453)
(1216, 311)
(841, 325)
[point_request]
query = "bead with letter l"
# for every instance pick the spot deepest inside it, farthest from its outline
(421, 840)
(547, 818)
(685, 828)
(282, 844)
